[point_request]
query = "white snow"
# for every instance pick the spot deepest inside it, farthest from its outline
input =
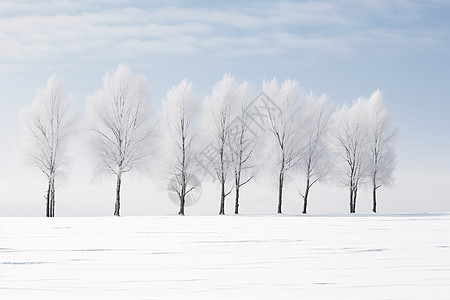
(226, 257)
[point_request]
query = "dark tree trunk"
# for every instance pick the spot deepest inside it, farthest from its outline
(305, 199)
(374, 209)
(47, 208)
(117, 206)
(52, 213)
(182, 201)
(353, 194)
(351, 200)
(280, 192)
(236, 205)
(182, 192)
(50, 205)
(222, 179)
(222, 199)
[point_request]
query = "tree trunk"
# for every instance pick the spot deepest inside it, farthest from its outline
(374, 209)
(280, 192)
(305, 199)
(353, 194)
(351, 200)
(50, 205)
(222, 199)
(52, 197)
(236, 205)
(354, 201)
(117, 207)
(182, 201)
(47, 208)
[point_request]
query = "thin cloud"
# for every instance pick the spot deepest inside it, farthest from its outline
(104, 28)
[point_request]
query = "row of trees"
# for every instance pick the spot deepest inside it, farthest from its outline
(233, 136)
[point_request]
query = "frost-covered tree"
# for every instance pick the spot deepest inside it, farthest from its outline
(49, 124)
(352, 147)
(283, 123)
(316, 161)
(180, 113)
(219, 106)
(242, 143)
(121, 125)
(380, 140)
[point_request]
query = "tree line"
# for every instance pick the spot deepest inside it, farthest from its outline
(231, 137)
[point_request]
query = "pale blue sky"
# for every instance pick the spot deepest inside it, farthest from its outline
(345, 49)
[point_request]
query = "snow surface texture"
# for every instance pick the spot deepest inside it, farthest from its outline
(226, 257)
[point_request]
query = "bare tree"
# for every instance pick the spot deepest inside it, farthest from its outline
(316, 162)
(283, 124)
(350, 134)
(50, 122)
(242, 143)
(219, 103)
(381, 135)
(180, 113)
(120, 125)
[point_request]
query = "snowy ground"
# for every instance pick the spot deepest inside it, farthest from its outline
(226, 257)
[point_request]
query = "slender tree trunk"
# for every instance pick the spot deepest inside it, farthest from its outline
(50, 205)
(374, 209)
(354, 202)
(280, 192)
(236, 205)
(183, 171)
(47, 208)
(305, 199)
(182, 202)
(52, 196)
(222, 199)
(117, 206)
(183, 192)
(351, 200)
(222, 179)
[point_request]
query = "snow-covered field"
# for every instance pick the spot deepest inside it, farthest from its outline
(226, 257)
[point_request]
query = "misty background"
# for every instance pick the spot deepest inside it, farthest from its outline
(345, 49)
